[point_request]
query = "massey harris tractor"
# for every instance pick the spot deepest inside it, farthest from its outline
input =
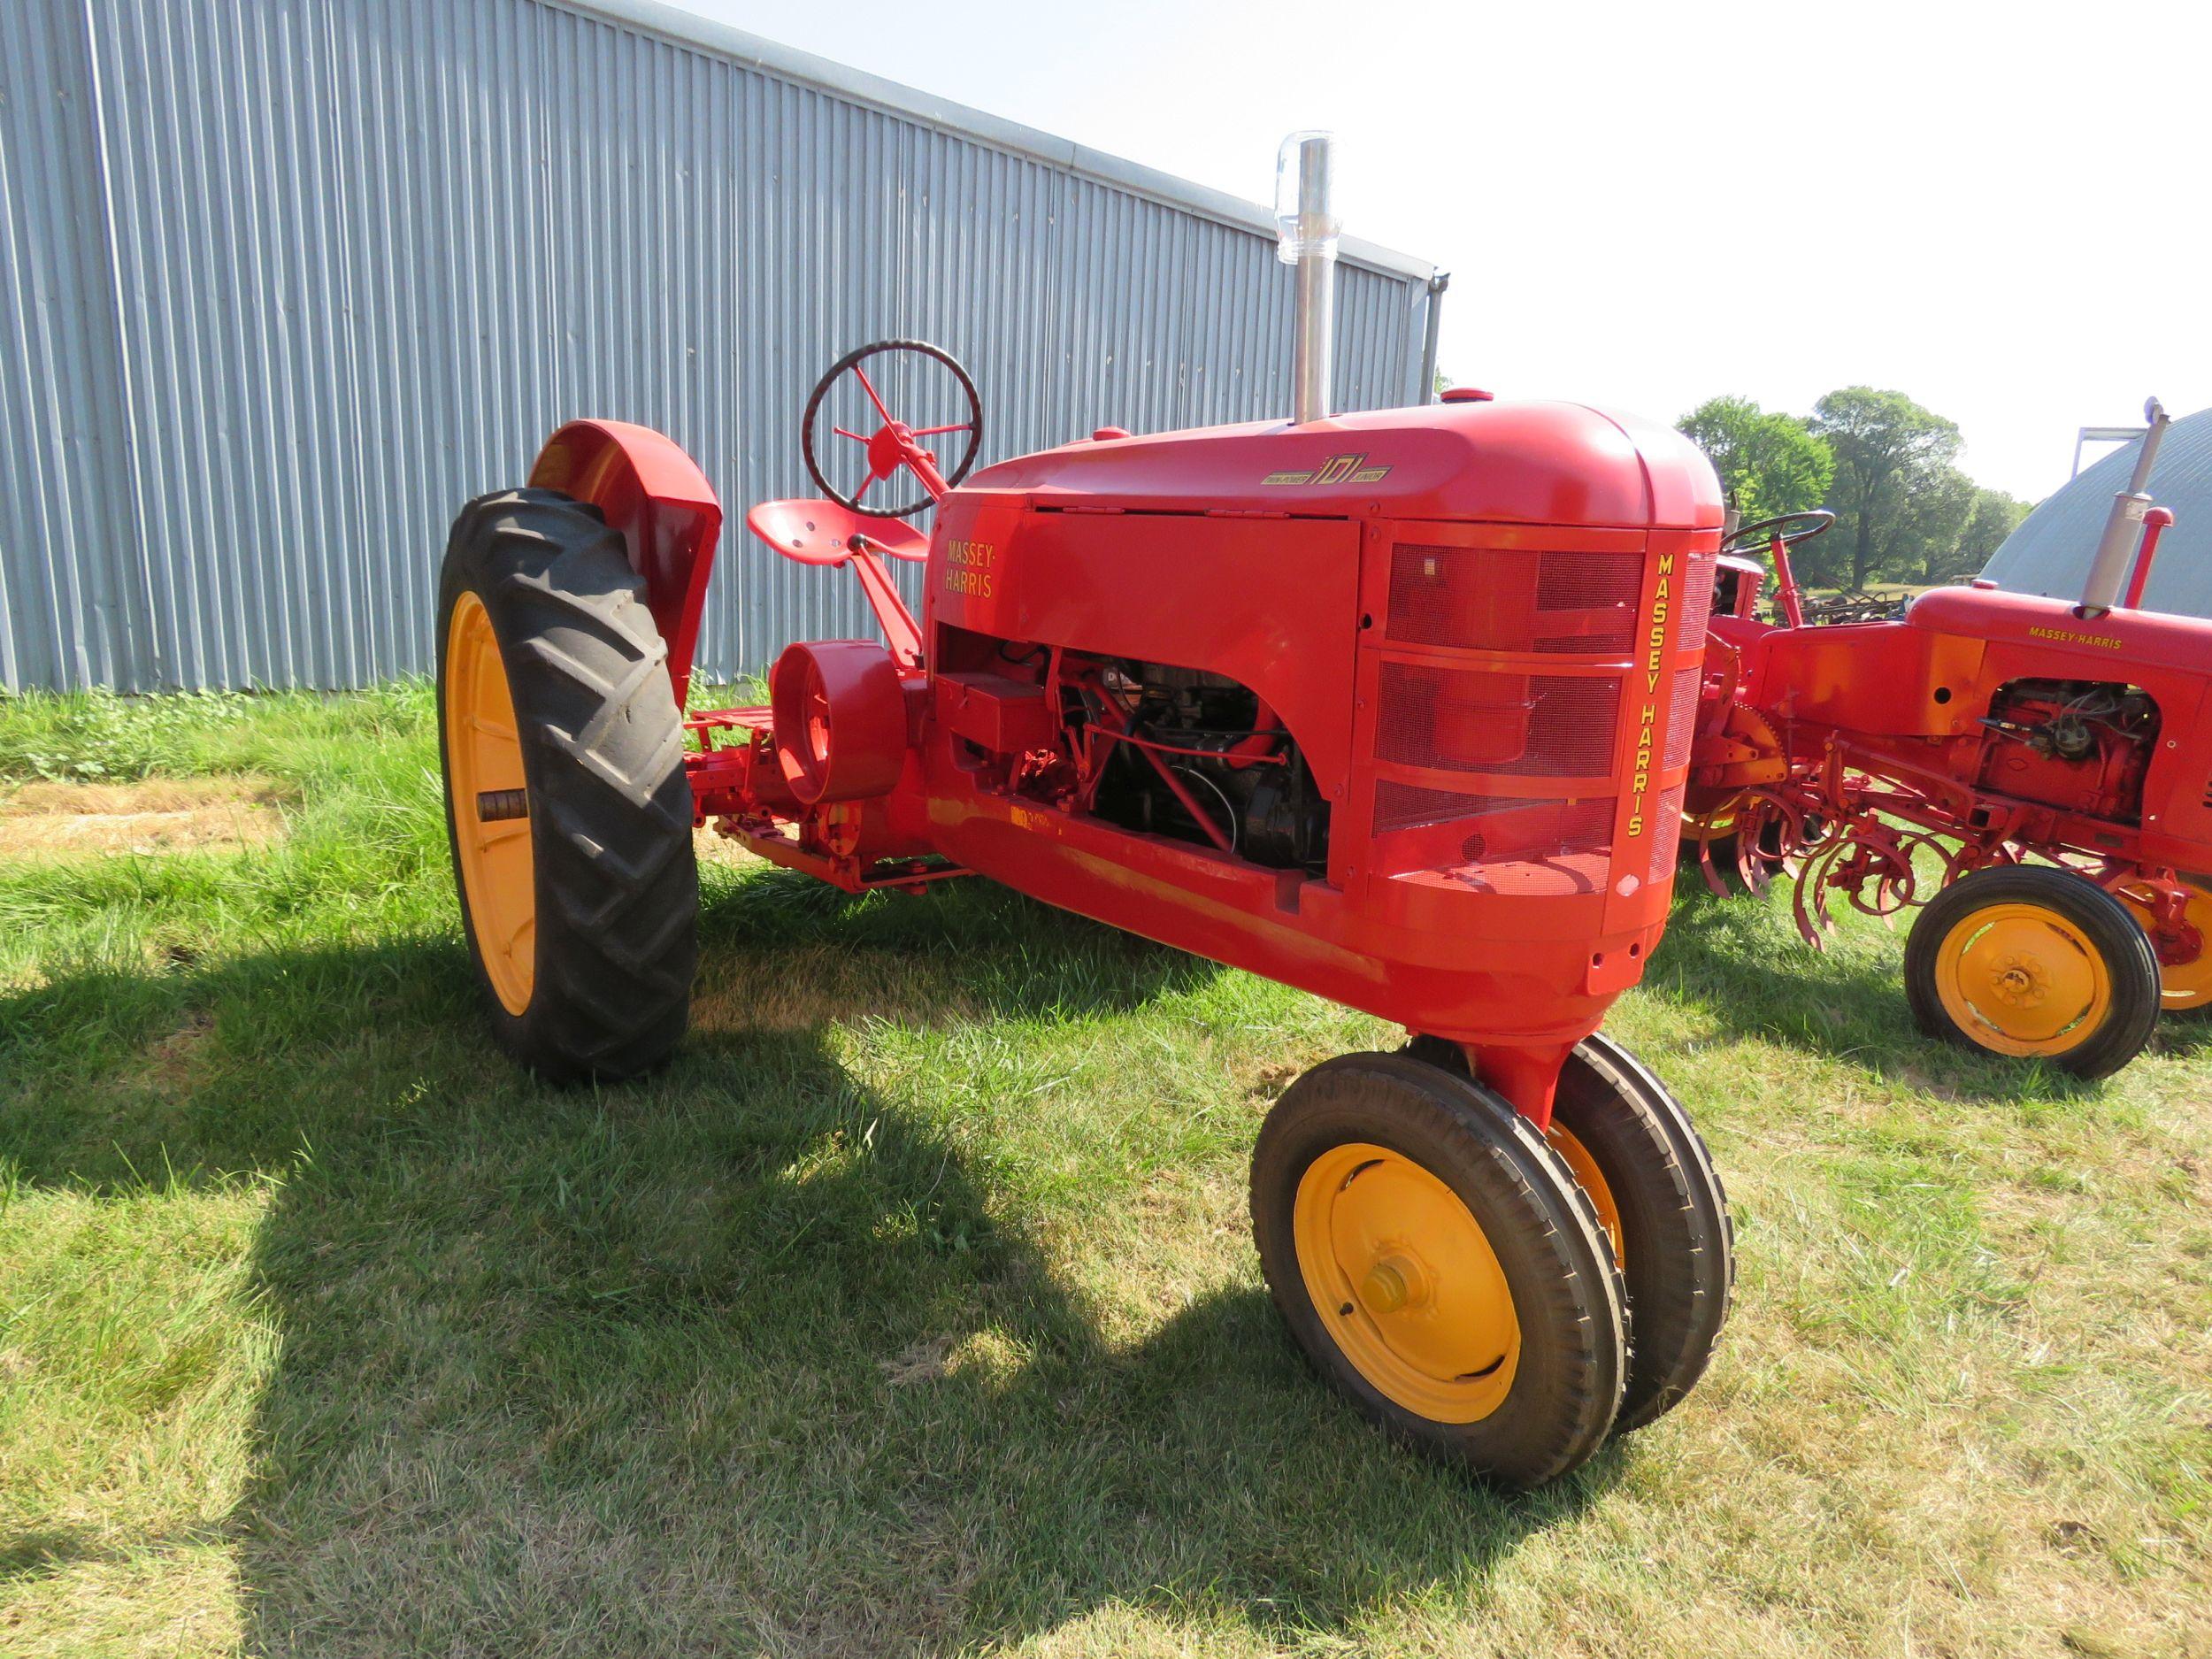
(2045, 768)
(1394, 707)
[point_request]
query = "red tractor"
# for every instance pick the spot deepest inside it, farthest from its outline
(2043, 768)
(1392, 707)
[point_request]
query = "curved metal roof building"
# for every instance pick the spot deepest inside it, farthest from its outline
(2051, 550)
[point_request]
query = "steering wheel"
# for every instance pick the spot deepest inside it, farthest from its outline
(1788, 528)
(893, 444)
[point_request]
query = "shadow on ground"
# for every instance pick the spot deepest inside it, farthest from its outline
(744, 1357)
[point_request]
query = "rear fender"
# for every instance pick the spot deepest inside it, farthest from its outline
(655, 495)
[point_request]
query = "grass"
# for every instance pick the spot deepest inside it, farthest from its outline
(912, 1310)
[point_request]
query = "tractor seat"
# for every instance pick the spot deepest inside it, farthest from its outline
(823, 532)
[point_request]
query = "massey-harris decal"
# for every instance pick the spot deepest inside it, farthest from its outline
(1654, 671)
(2068, 636)
(968, 567)
(1338, 469)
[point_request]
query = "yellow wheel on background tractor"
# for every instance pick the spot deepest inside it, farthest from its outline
(567, 807)
(2035, 962)
(1437, 1262)
(2184, 985)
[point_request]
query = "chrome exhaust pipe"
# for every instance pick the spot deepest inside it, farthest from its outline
(2123, 527)
(1306, 233)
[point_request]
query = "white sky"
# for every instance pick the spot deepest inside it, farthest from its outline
(2004, 211)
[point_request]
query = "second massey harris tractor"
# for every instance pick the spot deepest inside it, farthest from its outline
(2045, 765)
(1394, 707)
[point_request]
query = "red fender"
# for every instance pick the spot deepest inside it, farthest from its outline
(655, 495)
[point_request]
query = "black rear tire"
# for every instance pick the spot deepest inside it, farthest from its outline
(2080, 919)
(1558, 1269)
(616, 878)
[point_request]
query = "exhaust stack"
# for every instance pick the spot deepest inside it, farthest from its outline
(2124, 527)
(1306, 233)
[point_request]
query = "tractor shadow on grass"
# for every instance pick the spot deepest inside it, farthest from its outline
(742, 1357)
(1739, 962)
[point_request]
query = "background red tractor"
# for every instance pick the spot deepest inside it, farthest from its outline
(2040, 771)
(1394, 707)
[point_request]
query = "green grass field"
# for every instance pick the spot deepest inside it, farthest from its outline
(913, 1310)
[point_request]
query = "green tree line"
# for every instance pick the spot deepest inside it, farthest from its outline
(1884, 466)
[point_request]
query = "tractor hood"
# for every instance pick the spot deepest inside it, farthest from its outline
(1530, 463)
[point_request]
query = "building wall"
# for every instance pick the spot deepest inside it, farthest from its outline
(287, 281)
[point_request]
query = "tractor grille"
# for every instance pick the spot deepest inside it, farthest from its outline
(1493, 828)
(1694, 607)
(1518, 599)
(1682, 716)
(1665, 831)
(1530, 725)
(1504, 667)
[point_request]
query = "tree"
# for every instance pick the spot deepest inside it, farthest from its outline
(1996, 516)
(1769, 464)
(1888, 452)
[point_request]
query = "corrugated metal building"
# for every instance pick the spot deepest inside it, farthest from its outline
(286, 280)
(2052, 550)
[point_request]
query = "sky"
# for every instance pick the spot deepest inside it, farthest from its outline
(2004, 211)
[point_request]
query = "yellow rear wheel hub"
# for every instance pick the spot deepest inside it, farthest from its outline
(485, 779)
(2180, 984)
(2022, 980)
(1406, 1282)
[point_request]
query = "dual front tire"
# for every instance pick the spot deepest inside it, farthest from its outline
(1469, 1282)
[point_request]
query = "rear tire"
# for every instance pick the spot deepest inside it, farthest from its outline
(1462, 1297)
(2035, 962)
(584, 945)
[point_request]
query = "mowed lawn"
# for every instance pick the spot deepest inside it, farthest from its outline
(913, 1310)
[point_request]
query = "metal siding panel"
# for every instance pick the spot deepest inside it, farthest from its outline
(314, 272)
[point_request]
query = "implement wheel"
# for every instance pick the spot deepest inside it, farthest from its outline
(2036, 962)
(1437, 1262)
(567, 809)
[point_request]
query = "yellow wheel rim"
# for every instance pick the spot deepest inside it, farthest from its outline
(2180, 984)
(1592, 1182)
(2022, 980)
(484, 758)
(1406, 1282)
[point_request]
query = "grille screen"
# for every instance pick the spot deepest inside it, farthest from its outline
(1542, 726)
(1666, 834)
(1514, 599)
(1681, 715)
(1693, 601)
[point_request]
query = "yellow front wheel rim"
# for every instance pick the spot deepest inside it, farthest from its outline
(484, 764)
(1593, 1184)
(2022, 980)
(1406, 1282)
(2180, 984)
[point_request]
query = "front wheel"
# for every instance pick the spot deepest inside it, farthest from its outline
(1437, 1262)
(2036, 962)
(567, 809)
